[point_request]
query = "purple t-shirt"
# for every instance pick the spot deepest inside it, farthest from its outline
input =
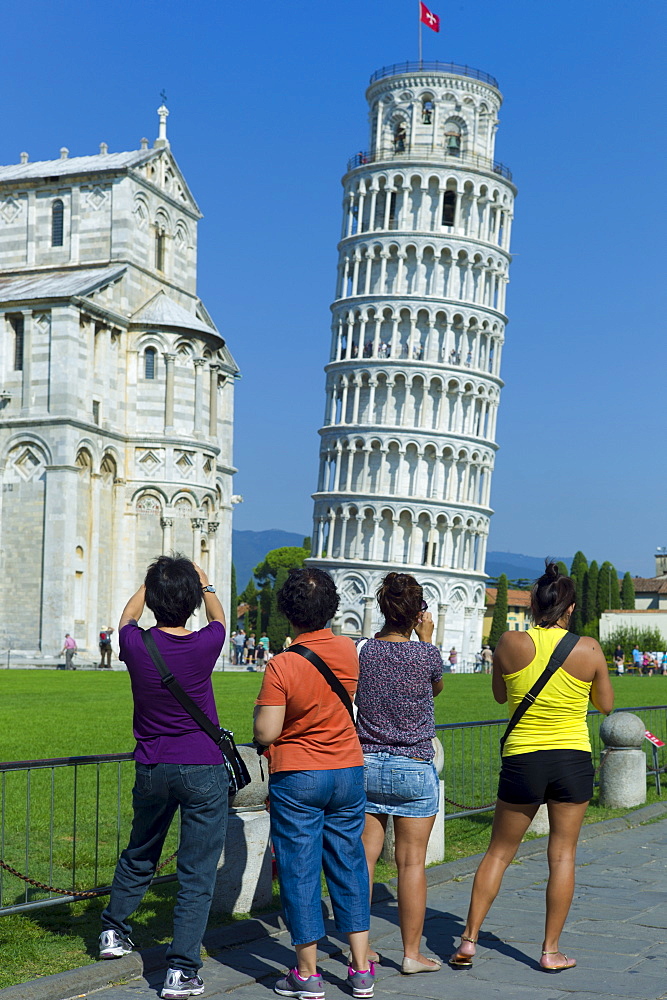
(164, 731)
(395, 697)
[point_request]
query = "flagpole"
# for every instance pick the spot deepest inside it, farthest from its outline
(420, 32)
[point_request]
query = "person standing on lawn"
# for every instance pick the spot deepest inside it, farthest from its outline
(178, 766)
(69, 649)
(546, 757)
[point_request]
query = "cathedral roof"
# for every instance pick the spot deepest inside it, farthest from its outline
(58, 284)
(163, 311)
(76, 165)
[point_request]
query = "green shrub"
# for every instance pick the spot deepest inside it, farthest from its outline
(627, 637)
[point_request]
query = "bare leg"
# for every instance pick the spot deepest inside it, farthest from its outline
(411, 841)
(373, 841)
(565, 819)
(510, 822)
(306, 959)
(359, 948)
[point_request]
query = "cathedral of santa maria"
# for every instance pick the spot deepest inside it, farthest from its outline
(116, 392)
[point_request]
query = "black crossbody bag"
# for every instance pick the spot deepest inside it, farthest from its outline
(236, 768)
(556, 660)
(326, 672)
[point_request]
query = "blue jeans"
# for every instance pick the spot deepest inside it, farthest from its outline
(200, 790)
(317, 818)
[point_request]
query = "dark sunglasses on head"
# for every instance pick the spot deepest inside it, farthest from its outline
(424, 606)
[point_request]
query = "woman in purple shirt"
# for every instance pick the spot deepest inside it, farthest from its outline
(397, 681)
(178, 767)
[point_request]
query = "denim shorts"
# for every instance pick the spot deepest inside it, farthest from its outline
(400, 786)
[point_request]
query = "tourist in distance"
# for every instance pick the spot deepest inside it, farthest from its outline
(69, 649)
(453, 659)
(105, 647)
(316, 784)
(397, 682)
(546, 758)
(178, 766)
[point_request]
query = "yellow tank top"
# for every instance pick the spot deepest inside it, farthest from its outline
(557, 719)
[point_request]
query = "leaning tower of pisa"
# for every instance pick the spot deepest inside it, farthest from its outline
(413, 379)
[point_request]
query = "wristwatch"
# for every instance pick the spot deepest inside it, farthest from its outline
(208, 589)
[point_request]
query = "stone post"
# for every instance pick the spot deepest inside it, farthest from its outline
(368, 617)
(435, 850)
(623, 763)
(244, 877)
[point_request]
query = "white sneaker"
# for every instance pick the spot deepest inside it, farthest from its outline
(177, 985)
(114, 945)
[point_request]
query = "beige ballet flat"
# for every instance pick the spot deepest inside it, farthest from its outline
(412, 965)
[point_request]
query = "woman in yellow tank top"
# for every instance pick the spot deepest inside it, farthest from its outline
(546, 758)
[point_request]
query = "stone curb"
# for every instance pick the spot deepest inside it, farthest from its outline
(76, 982)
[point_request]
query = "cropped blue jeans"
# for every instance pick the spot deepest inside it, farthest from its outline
(317, 818)
(201, 793)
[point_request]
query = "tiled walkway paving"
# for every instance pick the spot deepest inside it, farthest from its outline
(617, 930)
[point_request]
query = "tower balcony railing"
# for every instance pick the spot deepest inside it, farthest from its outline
(419, 151)
(454, 69)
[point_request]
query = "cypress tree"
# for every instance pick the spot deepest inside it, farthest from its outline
(591, 594)
(562, 568)
(628, 593)
(233, 600)
(278, 626)
(499, 622)
(578, 571)
(608, 598)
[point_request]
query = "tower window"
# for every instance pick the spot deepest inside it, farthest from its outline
(452, 139)
(57, 223)
(400, 137)
(427, 112)
(159, 248)
(96, 411)
(149, 362)
(448, 208)
(18, 327)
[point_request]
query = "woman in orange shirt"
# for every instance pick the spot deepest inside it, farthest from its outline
(316, 784)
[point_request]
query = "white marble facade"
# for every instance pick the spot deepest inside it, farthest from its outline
(413, 380)
(116, 392)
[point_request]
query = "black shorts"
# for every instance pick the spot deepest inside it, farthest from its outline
(546, 775)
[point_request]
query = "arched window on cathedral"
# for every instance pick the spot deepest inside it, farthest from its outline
(159, 247)
(57, 223)
(18, 325)
(449, 208)
(149, 362)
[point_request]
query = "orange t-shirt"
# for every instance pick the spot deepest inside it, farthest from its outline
(318, 734)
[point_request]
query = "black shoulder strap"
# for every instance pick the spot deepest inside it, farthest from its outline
(556, 660)
(172, 685)
(326, 672)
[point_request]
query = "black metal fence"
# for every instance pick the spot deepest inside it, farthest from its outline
(424, 66)
(64, 821)
(419, 152)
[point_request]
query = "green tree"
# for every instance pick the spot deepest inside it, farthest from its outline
(308, 545)
(287, 557)
(591, 615)
(562, 568)
(499, 622)
(627, 638)
(608, 597)
(627, 593)
(578, 571)
(250, 597)
(233, 600)
(278, 626)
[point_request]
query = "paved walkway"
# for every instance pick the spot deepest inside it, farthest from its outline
(617, 930)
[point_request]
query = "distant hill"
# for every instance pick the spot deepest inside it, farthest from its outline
(516, 566)
(250, 547)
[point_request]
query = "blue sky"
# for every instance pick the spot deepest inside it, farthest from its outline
(267, 103)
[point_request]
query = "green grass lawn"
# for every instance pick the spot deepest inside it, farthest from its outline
(58, 714)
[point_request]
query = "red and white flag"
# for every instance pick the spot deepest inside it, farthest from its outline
(427, 17)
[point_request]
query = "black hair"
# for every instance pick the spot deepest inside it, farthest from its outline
(173, 589)
(551, 595)
(308, 599)
(400, 599)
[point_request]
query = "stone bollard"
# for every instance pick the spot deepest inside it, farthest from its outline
(623, 763)
(540, 824)
(435, 850)
(244, 878)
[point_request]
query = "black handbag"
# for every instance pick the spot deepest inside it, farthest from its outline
(556, 660)
(237, 771)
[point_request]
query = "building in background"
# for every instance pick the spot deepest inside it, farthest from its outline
(518, 610)
(116, 391)
(413, 379)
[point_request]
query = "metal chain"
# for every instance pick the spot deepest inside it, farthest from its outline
(69, 892)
